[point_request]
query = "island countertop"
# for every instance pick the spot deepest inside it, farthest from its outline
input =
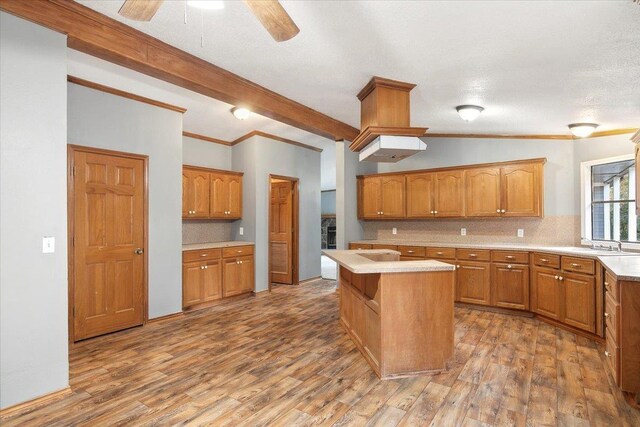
(365, 262)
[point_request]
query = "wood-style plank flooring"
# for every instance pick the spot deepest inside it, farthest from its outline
(282, 359)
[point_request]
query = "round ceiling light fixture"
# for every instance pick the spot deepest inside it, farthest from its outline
(582, 130)
(469, 113)
(206, 4)
(241, 113)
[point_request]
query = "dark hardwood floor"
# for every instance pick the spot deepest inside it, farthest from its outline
(281, 358)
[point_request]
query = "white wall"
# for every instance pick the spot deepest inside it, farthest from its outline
(258, 157)
(101, 120)
(33, 189)
(328, 202)
(196, 152)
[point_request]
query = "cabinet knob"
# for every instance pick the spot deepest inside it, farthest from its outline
(509, 266)
(202, 267)
(557, 277)
(606, 353)
(206, 267)
(457, 266)
(435, 212)
(503, 211)
(498, 210)
(561, 278)
(432, 212)
(606, 314)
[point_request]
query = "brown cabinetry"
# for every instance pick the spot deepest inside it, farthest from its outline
(383, 197)
(210, 193)
(546, 295)
(473, 282)
(439, 194)
(510, 286)
(238, 276)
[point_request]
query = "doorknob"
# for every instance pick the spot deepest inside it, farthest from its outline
(138, 251)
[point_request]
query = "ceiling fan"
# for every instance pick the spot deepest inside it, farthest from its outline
(270, 13)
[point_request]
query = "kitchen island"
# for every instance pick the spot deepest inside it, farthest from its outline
(398, 313)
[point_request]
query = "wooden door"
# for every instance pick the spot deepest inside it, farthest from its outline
(191, 284)
(521, 190)
(231, 277)
(247, 274)
(281, 232)
(218, 195)
(212, 280)
(473, 283)
(393, 196)
(233, 184)
(510, 286)
(108, 243)
(482, 192)
(197, 193)
(420, 195)
(579, 301)
(371, 197)
(449, 194)
(546, 293)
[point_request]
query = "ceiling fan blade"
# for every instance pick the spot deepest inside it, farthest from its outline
(273, 18)
(140, 10)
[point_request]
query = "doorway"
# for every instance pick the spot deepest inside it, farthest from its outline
(283, 230)
(107, 211)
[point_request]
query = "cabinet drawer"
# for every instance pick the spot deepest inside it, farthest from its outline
(578, 265)
(546, 260)
(612, 354)
(412, 251)
(380, 246)
(473, 254)
(510, 257)
(441, 253)
(359, 246)
(201, 255)
(611, 317)
(611, 286)
(237, 251)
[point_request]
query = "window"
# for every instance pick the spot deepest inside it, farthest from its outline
(610, 212)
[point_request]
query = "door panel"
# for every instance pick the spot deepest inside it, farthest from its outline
(420, 195)
(231, 277)
(449, 194)
(212, 281)
(371, 197)
(393, 194)
(108, 218)
(521, 190)
(482, 192)
(247, 274)
(580, 301)
(234, 196)
(200, 190)
(186, 207)
(280, 232)
(546, 294)
(510, 286)
(473, 283)
(218, 195)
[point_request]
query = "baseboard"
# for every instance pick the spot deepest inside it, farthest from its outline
(311, 280)
(501, 310)
(38, 401)
(166, 317)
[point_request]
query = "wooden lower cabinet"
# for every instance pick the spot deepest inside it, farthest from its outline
(238, 276)
(546, 294)
(579, 301)
(510, 286)
(192, 278)
(473, 282)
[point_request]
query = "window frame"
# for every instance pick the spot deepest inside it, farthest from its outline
(585, 203)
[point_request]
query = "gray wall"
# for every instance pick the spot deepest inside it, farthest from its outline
(196, 152)
(258, 157)
(101, 120)
(33, 189)
(328, 202)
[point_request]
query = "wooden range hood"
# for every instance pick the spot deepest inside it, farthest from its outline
(384, 110)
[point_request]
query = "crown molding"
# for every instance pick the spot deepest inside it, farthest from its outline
(206, 138)
(275, 138)
(531, 136)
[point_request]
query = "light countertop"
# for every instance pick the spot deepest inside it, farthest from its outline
(624, 267)
(355, 262)
(214, 245)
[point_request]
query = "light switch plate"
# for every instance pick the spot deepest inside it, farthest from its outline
(394, 230)
(463, 231)
(520, 232)
(241, 231)
(48, 245)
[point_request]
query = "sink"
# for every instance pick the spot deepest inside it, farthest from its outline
(381, 257)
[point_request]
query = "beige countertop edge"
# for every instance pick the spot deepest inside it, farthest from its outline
(361, 265)
(624, 267)
(214, 245)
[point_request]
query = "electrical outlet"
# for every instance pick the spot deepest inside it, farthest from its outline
(463, 231)
(520, 232)
(48, 245)
(394, 230)
(241, 231)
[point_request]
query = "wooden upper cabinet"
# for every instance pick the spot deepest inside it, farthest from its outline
(219, 196)
(521, 190)
(196, 197)
(449, 194)
(234, 196)
(482, 192)
(359, 183)
(393, 195)
(371, 197)
(420, 195)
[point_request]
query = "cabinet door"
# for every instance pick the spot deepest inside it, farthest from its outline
(371, 196)
(218, 196)
(357, 324)
(231, 277)
(473, 283)
(637, 195)
(191, 284)
(234, 196)
(186, 206)
(393, 196)
(198, 190)
(346, 305)
(482, 192)
(420, 195)
(371, 338)
(580, 301)
(449, 194)
(212, 281)
(246, 274)
(359, 184)
(510, 286)
(546, 293)
(521, 195)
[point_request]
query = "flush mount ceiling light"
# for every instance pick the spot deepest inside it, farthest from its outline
(240, 113)
(582, 130)
(206, 4)
(469, 112)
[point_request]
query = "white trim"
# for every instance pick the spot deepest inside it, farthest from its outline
(585, 207)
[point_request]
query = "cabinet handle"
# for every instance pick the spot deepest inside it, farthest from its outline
(409, 252)
(575, 265)
(439, 253)
(509, 266)
(473, 255)
(503, 211)
(561, 278)
(204, 254)
(510, 257)
(544, 260)
(606, 353)
(606, 314)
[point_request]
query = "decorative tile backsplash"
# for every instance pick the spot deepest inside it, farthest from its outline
(205, 232)
(551, 230)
